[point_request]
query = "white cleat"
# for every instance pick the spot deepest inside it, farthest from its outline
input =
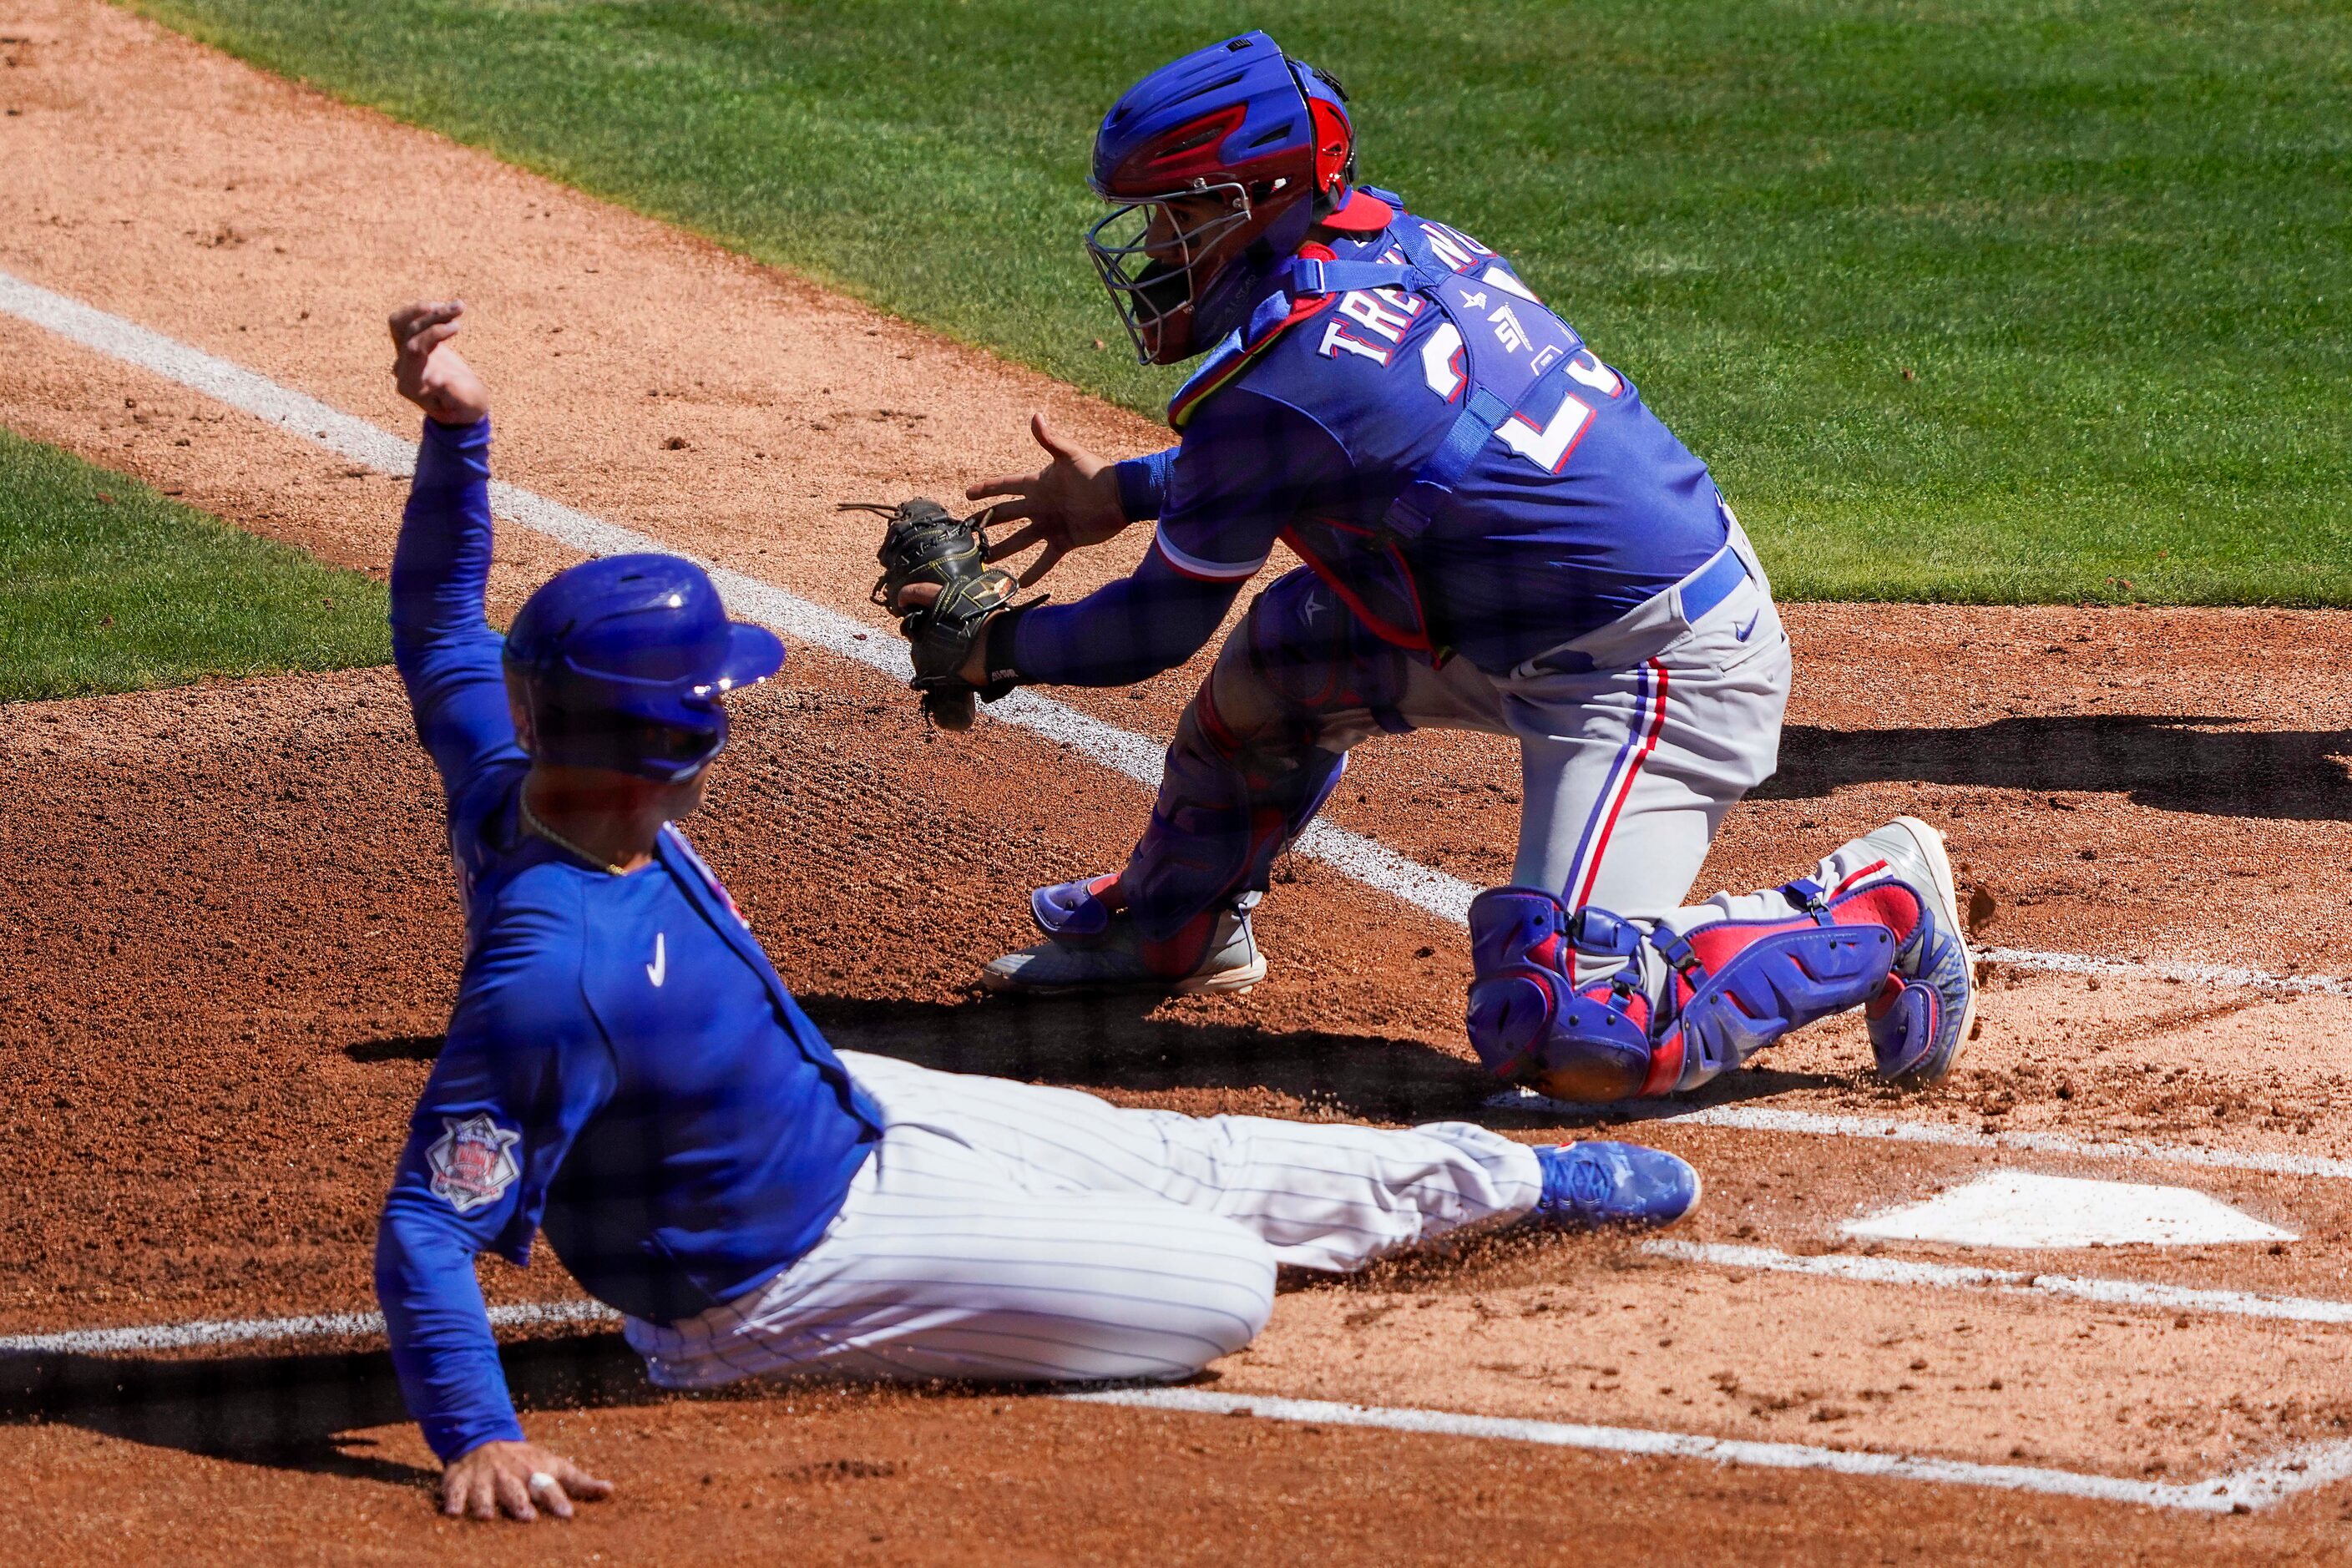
(1117, 961)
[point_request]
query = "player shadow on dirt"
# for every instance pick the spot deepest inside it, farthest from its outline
(291, 1412)
(2166, 762)
(1116, 1043)
(309, 1411)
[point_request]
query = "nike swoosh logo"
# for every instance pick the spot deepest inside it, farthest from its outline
(658, 970)
(1741, 634)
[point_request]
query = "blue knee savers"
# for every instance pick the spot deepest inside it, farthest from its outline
(1527, 1019)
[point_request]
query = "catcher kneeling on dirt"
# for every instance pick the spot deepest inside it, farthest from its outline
(626, 1070)
(1498, 534)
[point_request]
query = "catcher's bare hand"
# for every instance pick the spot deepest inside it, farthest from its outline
(1071, 503)
(517, 1479)
(428, 370)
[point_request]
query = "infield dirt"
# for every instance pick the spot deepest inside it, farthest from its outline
(229, 941)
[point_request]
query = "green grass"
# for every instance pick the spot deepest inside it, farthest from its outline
(2111, 242)
(107, 586)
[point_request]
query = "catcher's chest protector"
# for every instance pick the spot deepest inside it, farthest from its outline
(1517, 380)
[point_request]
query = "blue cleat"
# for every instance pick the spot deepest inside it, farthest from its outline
(1596, 1184)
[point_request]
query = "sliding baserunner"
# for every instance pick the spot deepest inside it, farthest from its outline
(1498, 535)
(625, 1070)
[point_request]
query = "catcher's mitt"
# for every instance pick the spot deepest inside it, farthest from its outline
(925, 544)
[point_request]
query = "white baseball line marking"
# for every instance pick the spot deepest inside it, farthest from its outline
(1952, 1276)
(1122, 750)
(1893, 1130)
(214, 1334)
(2297, 1469)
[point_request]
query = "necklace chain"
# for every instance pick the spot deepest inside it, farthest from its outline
(531, 820)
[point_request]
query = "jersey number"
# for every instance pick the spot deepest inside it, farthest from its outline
(1548, 446)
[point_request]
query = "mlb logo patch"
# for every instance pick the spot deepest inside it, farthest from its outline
(472, 1162)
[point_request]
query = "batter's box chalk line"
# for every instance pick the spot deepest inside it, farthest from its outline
(2301, 1468)
(1865, 1269)
(1138, 757)
(1898, 1130)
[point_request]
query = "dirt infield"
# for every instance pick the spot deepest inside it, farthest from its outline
(228, 943)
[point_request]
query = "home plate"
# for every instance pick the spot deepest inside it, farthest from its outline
(2020, 1208)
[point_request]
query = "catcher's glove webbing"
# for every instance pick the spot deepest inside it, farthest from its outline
(925, 544)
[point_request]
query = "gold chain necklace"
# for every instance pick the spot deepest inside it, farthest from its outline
(531, 820)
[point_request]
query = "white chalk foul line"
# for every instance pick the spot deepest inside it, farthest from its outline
(2222, 975)
(1865, 1270)
(2281, 1476)
(2297, 1469)
(1437, 892)
(207, 1335)
(1895, 1130)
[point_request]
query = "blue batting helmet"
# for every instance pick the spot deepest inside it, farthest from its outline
(1255, 146)
(622, 662)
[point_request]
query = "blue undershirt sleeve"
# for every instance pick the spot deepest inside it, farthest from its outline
(449, 657)
(442, 1348)
(1142, 482)
(1247, 465)
(1123, 632)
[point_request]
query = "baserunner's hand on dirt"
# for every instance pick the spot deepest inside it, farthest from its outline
(428, 370)
(1071, 503)
(517, 1480)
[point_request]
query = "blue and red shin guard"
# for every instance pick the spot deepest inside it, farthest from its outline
(1224, 813)
(1673, 1009)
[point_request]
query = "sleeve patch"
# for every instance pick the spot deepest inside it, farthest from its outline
(472, 1162)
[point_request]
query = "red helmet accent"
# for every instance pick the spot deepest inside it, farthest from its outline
(1335, 146)
(1191, 152)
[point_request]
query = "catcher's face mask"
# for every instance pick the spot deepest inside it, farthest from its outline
(1156, 254)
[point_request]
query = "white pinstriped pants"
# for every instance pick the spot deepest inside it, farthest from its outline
(1005, 1232)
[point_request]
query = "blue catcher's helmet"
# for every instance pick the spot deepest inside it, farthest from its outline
(1218, 164)
(623, 663)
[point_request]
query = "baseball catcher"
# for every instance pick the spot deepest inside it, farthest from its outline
(1497, 535)
(625, 1071)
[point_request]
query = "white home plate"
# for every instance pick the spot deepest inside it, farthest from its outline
(2019, 1208)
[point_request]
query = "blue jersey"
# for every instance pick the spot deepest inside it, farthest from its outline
(624, 1067)
(1309, 423)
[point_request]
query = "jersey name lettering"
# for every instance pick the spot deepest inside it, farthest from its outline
(1336, 338)
(1388, 311)
(1454, 247)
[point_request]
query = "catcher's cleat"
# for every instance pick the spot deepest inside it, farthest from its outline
(1222, 955)
(1599, 1184)
(1919, 1021)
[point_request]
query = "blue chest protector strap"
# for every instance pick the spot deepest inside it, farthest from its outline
(1482, 412)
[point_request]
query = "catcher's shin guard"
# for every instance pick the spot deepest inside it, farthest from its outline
(1678, 1008)
(1223, 813)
